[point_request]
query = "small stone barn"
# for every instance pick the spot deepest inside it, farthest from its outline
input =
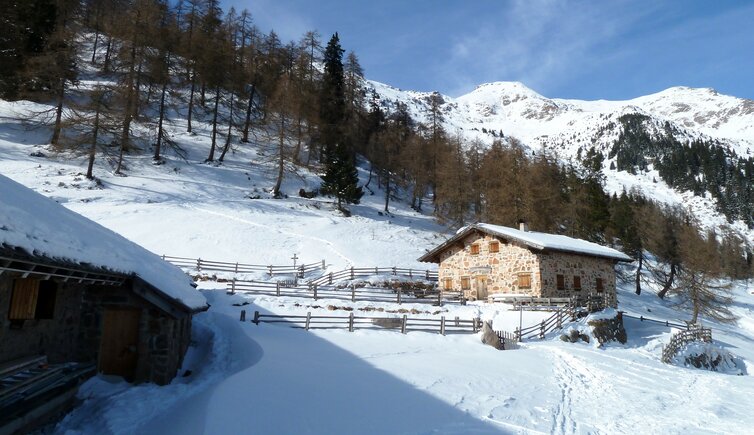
(74, 291)
(483, 260)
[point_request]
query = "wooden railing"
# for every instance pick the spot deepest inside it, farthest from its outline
(509, 339)
(364, 272)
(682, 338)
(351, 293)
(555, 321)
(201, 265)
(351, 322)
(660, 322)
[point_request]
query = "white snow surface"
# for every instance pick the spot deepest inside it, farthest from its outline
(555, 242)
(40, 226)
(271, 378)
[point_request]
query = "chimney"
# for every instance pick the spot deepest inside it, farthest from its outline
(523, 226)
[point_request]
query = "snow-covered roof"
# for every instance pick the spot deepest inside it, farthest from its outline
(44, 228)
(533, 239)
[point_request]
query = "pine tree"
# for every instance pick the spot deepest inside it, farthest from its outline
(340, 177)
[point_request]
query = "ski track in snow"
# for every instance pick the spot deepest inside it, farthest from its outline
(326, 243)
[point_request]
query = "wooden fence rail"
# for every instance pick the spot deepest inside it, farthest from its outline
(682, 338)
(351, 322)
(351, 293)
(661, 322)
(364, 272)
(202, 265)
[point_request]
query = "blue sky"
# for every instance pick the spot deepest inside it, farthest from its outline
(565, 49)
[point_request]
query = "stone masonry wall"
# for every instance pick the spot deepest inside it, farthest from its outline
(54, 337)
(502, 268)
(585, 267)
(163, 340)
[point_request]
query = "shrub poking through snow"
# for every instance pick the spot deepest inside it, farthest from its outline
(708, 356)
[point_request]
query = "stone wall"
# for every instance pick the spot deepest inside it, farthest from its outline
(54, 337)
(587, 268)
(499, 270)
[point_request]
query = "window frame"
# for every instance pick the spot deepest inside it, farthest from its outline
(475, 249)
(560, 281)
(577, 282)
(447, 283)
(526, 276)
(39, 305)
(599, 285)
(465, 283)
(496, 246)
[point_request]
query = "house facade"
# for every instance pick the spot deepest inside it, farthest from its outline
(76, 292)
(484, 260)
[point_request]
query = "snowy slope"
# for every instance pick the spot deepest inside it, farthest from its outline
(567, 128)
(273, 379)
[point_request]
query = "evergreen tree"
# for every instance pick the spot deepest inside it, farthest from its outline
(340, 177)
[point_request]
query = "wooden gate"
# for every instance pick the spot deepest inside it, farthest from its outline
(119, 344)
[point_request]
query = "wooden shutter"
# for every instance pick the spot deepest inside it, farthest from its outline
(600, 285)
(561, 282)
(577, 283)
(23, 303)
(494, 246)
(448, 283)
(524, 280)
(465, 283)
(475, 249)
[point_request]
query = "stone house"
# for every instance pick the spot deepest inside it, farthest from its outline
(484, 260)
(74, 291)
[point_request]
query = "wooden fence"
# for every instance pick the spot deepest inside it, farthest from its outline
(682, 338)
(351, 293)
(555, 321)
(661, 322)
(509, 339)
(201, 265)
(404, 324)
(364, 272)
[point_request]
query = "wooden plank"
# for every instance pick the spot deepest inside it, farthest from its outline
(24, 299)
(119, 342)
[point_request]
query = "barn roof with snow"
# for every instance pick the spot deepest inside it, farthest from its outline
(33, 226)
(531, 239)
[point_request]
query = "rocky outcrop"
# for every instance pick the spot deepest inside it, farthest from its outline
(490, 338)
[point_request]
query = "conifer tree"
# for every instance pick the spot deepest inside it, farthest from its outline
(340, 177)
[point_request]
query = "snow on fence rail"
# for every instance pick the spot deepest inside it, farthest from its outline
(682, 338)
(352, 293)
(201, 265)
(363, 272)
(442, 325)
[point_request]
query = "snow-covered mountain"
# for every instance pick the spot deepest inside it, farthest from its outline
(568, 127)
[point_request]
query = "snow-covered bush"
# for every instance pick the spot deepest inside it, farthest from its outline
(708, 356)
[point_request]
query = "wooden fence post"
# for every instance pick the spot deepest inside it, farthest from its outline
(315, 292)
(236, 270)
(542, 329)
(323, 264)
(353, 293)
(233, 286)
(442, 325)
(308, 319)
(395, 272)
(330, 282)
(439, 298)
(352, 275)
(163, 257)
(517, 334)
(403, 324)
(399, 295)
(458, 322)
(199, 264)
(376, 270)
(270, 267)
(410, 274)
(277, 288)
(256, 318)
(243, 315)
(350, 321)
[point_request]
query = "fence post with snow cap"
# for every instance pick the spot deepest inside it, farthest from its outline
(403, 324)
(350, 321)
(256, 318)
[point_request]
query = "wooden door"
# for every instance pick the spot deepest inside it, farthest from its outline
(481, 288)
(119, 344)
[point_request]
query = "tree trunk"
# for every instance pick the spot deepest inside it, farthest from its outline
(93, 148)
(211, 156)
(137, 92)
(58, 114)
(94, 49)
(281, 161)
(108, 51)
(247, 123)
(638, 273)
(230, 130)
(661, 294)
(191, 101)
(387, 191)
(125, 134)
(159, 123)
(203, 94)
